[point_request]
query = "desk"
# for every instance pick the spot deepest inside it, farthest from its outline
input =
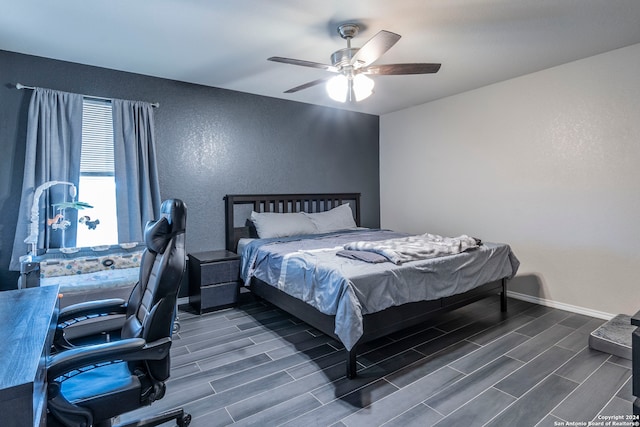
(27, 325)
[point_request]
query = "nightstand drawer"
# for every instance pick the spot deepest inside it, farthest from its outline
(219, 272)
(214, 280)
(218, 296)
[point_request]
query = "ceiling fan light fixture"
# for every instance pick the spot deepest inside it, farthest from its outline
(338, 88)
(362, 87)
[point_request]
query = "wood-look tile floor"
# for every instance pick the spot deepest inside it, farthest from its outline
(256, 365)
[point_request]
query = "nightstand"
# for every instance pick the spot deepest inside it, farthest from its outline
(214, 280)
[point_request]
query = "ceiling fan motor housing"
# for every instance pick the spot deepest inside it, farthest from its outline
(342, 57)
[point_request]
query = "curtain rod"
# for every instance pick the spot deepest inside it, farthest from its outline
(21, 86)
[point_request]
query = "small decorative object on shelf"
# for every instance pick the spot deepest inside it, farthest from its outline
(214, 280)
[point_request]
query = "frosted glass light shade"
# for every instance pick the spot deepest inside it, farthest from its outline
(362, 86)
(338, 87)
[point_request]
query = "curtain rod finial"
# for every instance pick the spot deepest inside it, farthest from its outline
(19, 86)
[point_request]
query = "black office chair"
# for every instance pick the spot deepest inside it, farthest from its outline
(90, 385)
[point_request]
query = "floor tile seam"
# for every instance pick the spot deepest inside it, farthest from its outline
(468, 324)
(201, 331)
(536, 306)
(550, 326)
(230, 416)
(391, 423)
(224, 352)
(221, 344)
(482, 366)
(304, 413)
(534, 386)
(630, 379)
(209, 321)
(522, 367)
(304, 362)
(244, 370)
(250, 397)
(204, 333)
(253, 396)
(201, 372)
(461, 342)
(281, 338)
(378, 348)
(581, 348)
(209, 359)
(617, 364)
(574, 356)
(378, 362)
(476, 397)
(273, 327)
(574, 390)
(312, 360)
(506, 332)
(555, 344)
(276, 336)
(434, 409)
(365, 408)
(606, 404)
(425, 376)
(524, 394)
(464, 376)
(422, 343)
(395, 340)
(588, 376)
(270, 408)
(355, 390)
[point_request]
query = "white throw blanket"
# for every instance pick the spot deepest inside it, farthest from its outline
(413, 248)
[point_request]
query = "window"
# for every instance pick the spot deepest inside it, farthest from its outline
(97, 187)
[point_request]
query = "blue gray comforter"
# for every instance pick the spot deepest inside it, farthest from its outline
(307, 268)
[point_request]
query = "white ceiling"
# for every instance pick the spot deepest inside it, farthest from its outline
(226, 43)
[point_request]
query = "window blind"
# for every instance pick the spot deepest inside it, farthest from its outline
(97, 138)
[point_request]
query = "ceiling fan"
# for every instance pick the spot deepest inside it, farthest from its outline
(352, 65)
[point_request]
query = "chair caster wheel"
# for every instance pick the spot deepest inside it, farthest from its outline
(185, 420)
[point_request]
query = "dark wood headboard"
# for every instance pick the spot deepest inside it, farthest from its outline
(236, 226)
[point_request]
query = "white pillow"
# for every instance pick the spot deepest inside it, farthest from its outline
(339, 218)
(269, 224)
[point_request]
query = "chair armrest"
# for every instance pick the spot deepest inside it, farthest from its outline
(105, 306)
(128, 350)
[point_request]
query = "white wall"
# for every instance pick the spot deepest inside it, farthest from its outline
(548, 162)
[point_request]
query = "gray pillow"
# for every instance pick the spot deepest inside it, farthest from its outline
(338, 218)
(269, 224)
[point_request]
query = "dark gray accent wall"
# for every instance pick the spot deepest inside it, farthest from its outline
(210, 142)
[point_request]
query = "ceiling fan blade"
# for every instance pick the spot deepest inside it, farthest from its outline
(307, 85)
(302, 63)
(399, 69)
(375, 48)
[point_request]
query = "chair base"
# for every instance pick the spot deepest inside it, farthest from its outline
(182, 420)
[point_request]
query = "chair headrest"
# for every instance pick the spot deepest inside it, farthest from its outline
(175, 211)
(157, 235)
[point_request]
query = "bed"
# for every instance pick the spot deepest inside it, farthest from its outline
(351, 300)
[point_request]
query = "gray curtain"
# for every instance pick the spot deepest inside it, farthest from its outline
(137, 188)
(53, 148)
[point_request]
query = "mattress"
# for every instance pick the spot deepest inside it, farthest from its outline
(307, 268)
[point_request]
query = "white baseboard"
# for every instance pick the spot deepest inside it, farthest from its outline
(561, 306)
